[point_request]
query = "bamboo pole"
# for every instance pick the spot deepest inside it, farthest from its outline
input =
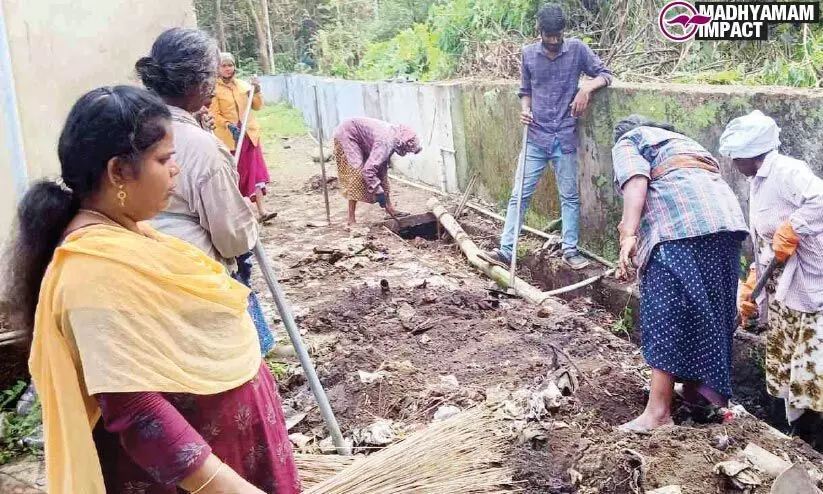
(292, 330)
(493, 271)
(490, 214)
(322, 158)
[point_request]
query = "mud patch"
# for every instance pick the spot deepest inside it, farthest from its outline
(315, 184)
(424, 226)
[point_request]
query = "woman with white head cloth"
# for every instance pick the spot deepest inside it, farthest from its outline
(786, 222)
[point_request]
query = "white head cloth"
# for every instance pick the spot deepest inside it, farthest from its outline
(750, 136)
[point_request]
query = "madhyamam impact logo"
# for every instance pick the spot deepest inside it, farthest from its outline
(680, 20)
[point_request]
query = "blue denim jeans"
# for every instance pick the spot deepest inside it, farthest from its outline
(565, 172)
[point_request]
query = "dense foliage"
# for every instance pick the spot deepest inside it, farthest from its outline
(437, 39)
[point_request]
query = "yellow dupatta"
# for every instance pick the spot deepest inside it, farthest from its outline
(123, 312)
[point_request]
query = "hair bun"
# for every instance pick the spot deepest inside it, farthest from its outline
(150, 72)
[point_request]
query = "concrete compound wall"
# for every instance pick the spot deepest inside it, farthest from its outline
(479, 122)
(59, 50)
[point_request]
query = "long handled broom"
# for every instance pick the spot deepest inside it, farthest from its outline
(460, 455)
(286, 315)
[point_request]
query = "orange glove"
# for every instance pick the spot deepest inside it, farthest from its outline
(745, 306)
(785, 242)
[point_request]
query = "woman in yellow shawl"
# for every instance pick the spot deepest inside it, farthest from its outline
(135, 327)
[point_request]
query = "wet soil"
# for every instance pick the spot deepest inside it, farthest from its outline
(440, 333)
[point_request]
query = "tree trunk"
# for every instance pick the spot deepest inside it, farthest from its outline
(265, 63)
(221, 31)
(264, 4)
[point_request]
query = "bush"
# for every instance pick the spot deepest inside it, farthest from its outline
(413, 53)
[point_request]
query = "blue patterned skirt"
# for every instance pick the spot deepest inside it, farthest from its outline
(688, 308)
(264, 332)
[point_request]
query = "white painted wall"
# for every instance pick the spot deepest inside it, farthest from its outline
(59, 50)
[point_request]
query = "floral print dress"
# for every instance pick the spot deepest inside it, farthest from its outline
(148, 442)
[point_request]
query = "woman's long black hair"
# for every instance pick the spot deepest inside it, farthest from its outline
(108, 122)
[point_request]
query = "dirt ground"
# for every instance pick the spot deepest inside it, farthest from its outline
(440, 334)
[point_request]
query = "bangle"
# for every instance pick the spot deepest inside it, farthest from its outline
(213, 476)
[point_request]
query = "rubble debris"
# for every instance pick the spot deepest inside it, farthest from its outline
(315, 184)
(449, 381)
(765, 461)
(300, 441)
(380, 433)
(445, 412)
(371, 377)
(740, 475)
(669, 489)
(327, 446)
(293, 417)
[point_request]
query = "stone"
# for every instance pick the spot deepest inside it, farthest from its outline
(300, 441)
(445, 412)
(379, 433)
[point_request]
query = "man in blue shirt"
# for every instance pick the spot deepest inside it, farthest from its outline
(551, 103)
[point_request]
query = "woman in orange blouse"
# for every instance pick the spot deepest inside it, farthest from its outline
(227, 107)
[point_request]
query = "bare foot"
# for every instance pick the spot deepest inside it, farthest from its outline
(646, 423)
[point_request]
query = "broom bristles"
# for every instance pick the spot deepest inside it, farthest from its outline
(461, 455)
(314, 469)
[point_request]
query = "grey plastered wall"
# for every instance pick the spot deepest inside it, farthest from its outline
(479, 122)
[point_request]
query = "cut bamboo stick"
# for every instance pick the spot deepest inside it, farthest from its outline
(467, 245)
(490, 214)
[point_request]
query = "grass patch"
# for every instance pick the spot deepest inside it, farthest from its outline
(280, 370)
(281, 120)
(16, 427)
(278, 121)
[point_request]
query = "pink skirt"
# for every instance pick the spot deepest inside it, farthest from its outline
(252, 169)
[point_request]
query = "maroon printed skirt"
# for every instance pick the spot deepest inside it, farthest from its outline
(252, 169)
(244, 427)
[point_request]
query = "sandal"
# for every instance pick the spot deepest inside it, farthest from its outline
(266, 217)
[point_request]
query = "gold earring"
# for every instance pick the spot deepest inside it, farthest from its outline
(121, 195)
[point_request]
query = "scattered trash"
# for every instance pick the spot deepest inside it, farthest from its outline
(531, 433)
(404, 366)
(315, 184)
(378, 434)
(327, 446)
(669, 489)
(575, 477)
(425, 339)
(300, 441)
(545, 400)
(721, 442)
(293, 417)
(740, 475)
(371, 377)
(449, 380)
(497, 394)
(765, 461)
(445, 412)
(554, 242)
(566, 381)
